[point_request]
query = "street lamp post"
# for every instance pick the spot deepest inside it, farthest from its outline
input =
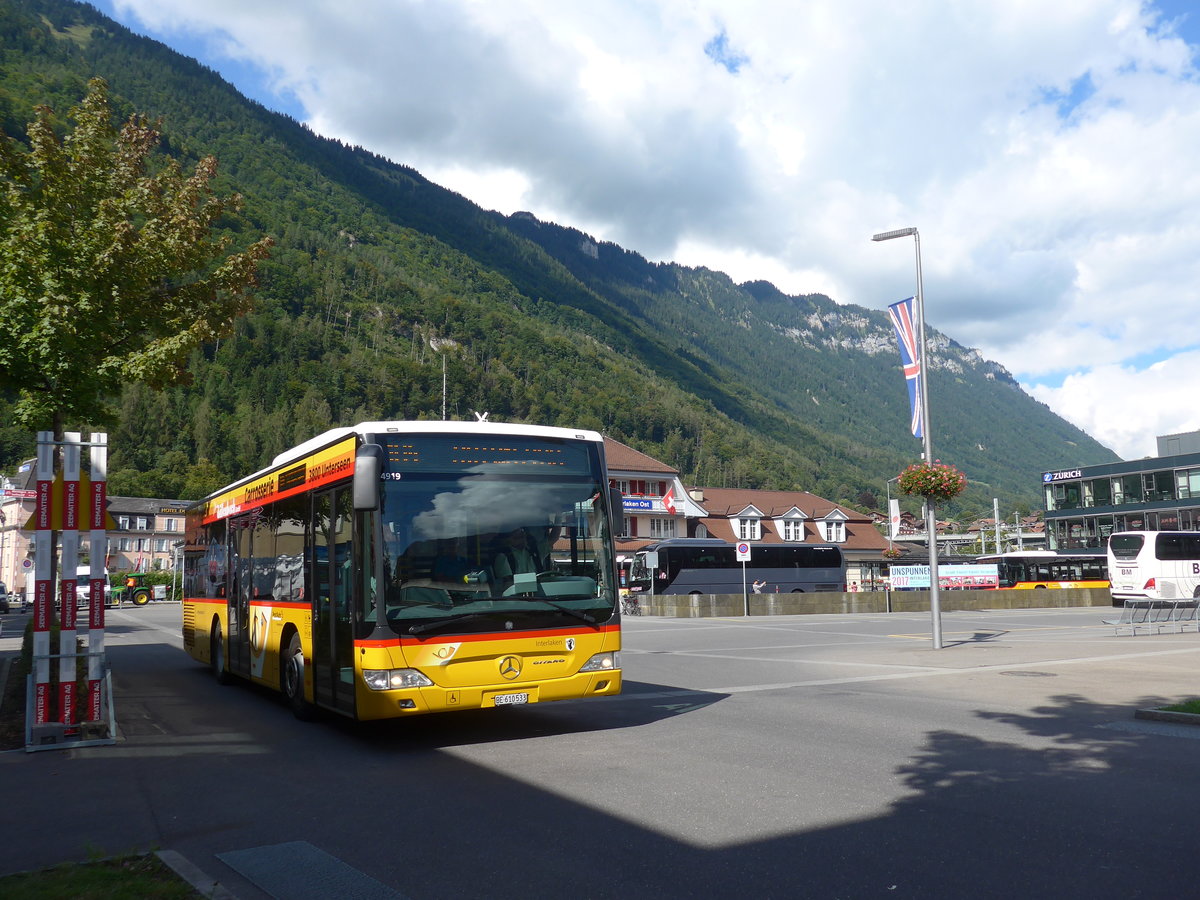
(935, 607)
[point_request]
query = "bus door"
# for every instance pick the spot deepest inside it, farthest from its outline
(333, 636)
(237, 594)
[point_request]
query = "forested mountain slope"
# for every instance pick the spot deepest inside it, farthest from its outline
(380, 277)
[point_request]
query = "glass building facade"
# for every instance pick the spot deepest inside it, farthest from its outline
(1084, 506)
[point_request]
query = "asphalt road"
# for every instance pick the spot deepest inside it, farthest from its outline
(829, 756)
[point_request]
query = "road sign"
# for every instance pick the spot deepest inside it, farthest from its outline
(83, 498)
(19, 494)
(743, 551)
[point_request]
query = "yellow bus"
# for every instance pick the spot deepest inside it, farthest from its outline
(400, 568)
(1034, 569)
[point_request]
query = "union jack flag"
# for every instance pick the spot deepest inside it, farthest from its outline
(910, 356)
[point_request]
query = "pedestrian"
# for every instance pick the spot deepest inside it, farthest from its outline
(758, 586)
(854, 587)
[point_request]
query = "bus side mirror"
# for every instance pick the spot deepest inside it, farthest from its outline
(616, 509)
(368, 465)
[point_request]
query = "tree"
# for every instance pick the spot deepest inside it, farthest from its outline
(109, 273)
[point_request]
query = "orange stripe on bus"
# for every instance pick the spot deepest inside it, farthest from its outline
(488, 636)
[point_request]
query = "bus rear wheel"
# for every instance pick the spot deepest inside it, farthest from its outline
(217, 656)
(292, 679)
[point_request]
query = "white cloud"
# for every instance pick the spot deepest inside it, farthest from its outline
(1044, 150)
(1127, 407)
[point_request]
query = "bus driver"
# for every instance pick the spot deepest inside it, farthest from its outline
(516, 555)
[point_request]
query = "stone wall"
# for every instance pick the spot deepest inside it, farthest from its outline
(825, 603)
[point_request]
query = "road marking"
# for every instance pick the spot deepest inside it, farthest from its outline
(174, 635)
(820, 682)
(929, 672)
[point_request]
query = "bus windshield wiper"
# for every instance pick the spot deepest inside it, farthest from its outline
(440, 624)
(446, 622)
(577, 613)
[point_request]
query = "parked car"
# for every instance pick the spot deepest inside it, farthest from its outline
(82, 597)
(4, 601)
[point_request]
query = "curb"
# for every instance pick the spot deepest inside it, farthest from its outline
(193, 876)
(1163, 715)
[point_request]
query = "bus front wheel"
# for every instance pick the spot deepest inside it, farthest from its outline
(292, 679)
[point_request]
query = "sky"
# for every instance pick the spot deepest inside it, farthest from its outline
(1047, 152)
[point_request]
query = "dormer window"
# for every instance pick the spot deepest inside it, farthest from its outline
(790, 526)
(833, 527)
(748, 524)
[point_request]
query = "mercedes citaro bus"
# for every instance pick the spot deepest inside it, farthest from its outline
(358, 572)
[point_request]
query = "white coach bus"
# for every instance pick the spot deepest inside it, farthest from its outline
(1154, 565)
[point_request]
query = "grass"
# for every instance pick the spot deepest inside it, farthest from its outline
(142, 877)
(1187, 706)
(12, 703)
(12, 709)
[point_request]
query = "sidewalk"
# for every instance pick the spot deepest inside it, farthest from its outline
(12, 628)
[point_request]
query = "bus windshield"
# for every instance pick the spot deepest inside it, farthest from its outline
(501, 544)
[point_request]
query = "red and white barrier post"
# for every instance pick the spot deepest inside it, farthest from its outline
(43, 573)
(69, 569)
(98, 550)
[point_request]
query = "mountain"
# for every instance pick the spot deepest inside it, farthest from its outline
(380, 278)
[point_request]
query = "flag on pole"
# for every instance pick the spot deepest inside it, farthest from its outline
(669, 500)
(910, 356)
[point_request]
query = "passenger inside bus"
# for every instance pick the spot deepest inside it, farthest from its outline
(517, 554)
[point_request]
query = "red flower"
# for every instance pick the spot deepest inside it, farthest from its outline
(934, 481)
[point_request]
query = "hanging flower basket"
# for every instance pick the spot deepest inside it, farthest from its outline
(893, 553)
(936, 482)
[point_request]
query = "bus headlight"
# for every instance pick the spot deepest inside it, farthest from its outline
(602, 662)
(392, 679)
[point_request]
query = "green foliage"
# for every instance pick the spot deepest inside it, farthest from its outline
(379, 279)
(108, 275)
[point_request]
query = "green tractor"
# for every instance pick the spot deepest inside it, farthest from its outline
(136, 589)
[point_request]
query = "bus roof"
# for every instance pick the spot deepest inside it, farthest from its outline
(432, 427)
(333, 435)
(667, 543)
(1039, 554)
(687, 542)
